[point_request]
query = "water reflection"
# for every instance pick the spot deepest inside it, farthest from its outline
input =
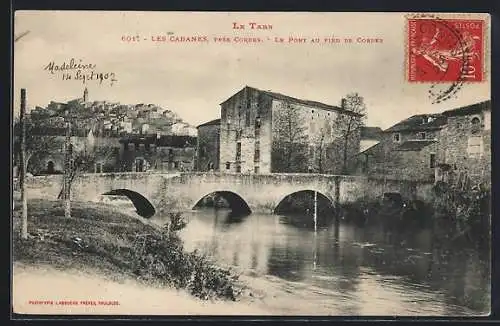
(349, 269)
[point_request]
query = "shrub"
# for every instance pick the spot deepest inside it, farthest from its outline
(161, 258)
(468, 210)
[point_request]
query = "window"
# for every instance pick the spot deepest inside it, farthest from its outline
(247, 114)
(256, 157)
(257, 122)
(475, 146)
(238, 168)
(432, 163)
(228, 165)
(396, 138)
(257, 127)
(476, 125)
(176, 164)
(140, 165)
(256, 169)
(421, 135)
(238, 134)
(238, 151)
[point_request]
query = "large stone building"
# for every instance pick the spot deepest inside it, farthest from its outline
(207, 150)
(157, 153)
(435, 146)
(267, 132)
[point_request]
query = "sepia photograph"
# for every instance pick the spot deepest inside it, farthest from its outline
(251, 164)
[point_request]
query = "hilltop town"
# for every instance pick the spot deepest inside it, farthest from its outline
(110, 119)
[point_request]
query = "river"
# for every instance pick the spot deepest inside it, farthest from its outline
(346, 270)
(343, 269)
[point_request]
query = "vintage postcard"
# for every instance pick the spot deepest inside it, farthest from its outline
(251, 163)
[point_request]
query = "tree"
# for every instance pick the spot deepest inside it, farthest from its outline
(85, 160)
(289, 144)
(323, 141)
(349, 125)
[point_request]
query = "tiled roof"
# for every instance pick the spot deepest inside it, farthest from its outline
(419, 122)
(210, 123)
(283, 97)
(371, 133)
(469, 109)
(414, 145)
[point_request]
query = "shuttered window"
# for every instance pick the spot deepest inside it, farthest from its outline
(475, 146)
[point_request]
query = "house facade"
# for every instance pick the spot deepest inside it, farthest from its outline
(434, 147)
(407, 150)
(45, 147)
(207, 149)
(466, 143)
(157, 153)
(267, 132)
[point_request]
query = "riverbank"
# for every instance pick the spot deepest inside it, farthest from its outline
(104, 254)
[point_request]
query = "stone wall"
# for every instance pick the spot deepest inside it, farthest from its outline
(455, 140)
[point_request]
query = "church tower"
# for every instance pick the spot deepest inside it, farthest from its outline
(86, 95)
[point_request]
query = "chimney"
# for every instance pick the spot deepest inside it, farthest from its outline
(343, 103)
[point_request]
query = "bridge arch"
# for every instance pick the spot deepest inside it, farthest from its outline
(143, 206)
(236, 203)
(301, 203)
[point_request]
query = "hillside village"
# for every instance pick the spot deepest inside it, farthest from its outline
(110, 119)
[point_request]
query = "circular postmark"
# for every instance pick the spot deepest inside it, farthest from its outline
(447, 55)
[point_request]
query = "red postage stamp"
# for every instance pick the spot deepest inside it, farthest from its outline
(445, 50)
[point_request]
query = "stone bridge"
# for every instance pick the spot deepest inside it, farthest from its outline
(158, 192)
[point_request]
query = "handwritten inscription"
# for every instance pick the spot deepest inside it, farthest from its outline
(80, 71)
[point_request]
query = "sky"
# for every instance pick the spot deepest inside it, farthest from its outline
(192, 79)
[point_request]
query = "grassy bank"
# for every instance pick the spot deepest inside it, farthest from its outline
(100, 237)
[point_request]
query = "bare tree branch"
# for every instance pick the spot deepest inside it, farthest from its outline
(289, 142)
(350, 125)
